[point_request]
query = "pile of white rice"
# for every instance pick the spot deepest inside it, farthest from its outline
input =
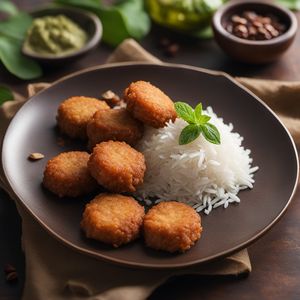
(200, 174)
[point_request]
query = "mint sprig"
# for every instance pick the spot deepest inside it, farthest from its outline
(198, 123)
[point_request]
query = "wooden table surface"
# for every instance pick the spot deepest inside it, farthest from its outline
(275, 257)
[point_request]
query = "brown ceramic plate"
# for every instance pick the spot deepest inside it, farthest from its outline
(225, 230)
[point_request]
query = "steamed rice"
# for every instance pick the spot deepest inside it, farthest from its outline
(200, 174)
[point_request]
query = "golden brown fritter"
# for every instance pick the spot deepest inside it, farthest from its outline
(117, 166)
(113, 124)
(149, 104)
(113, 219)
(172, 226)
(67, 175)
(74, 113)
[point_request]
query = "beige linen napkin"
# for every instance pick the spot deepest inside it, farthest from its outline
(54, 271)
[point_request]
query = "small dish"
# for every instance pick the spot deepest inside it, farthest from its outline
(89, 22)
(254, 51)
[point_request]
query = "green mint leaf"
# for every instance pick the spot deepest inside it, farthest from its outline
(5, 94)
(211, 133)
(185, 112)
(189, 134)
(198, 111)
(203, 119)
(8, 7)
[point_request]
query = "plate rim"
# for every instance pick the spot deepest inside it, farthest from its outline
(117, 261)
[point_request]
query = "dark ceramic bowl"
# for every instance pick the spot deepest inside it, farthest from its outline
(33, 129)
(249, 51)
(89, 22)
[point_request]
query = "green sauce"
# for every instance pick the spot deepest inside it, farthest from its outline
(55, 35)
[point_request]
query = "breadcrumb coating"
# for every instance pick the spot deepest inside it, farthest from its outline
(113, 124)
(74, 113)
(117, 166)
(149, 104)
(172, 226)
(113, 219)
(67, 175)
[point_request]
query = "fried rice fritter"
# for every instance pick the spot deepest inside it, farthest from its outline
(74, 113)
(67, 175)
(113, 124)
(172, 226)
(113, 219)
(149, 104)
(117, 166)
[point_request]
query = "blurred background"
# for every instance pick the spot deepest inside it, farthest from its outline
(174, 31)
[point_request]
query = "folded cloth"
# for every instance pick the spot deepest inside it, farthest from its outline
(54, 271)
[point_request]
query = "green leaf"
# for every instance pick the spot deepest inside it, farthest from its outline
(5, 94)
(203, 119)
(125, 19)
(203, 33)
(12, 34)
(189, 134)
(114, 26)
(185, 112)
(211, 133)
(8, 7)
(291, 4)
(136, 19)
(15, 62)
(86, 4)
(198, 111)
(16, 26)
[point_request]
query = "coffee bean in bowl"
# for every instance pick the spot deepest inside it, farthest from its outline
(252, 26)
(254, 32)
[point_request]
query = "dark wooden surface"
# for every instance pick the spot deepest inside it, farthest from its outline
(275, 257)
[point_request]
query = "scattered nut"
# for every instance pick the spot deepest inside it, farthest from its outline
(164, 42)
(8, 268)
(12, 277)
(172, 50)
(121, 104)
(108, 95)
(36, 156)
(111, 98)
(60, 142)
